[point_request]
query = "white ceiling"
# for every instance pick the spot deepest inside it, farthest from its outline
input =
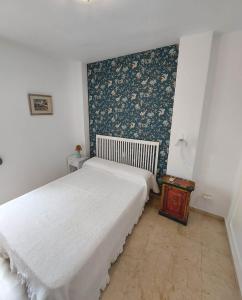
(109, 28)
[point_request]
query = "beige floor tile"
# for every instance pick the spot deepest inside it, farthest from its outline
(141, 287)
(193, 229)
(161, 241)
(213, 235)
(189, 251)
(212, 224)
(164, 260)
(219, 266)
(172, 291)
(137, 241)
(112, 293)
(185, 276)
(215, 289)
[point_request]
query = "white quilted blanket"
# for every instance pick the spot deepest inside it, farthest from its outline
(62, 237)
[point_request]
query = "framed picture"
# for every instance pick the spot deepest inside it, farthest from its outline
(40, 104)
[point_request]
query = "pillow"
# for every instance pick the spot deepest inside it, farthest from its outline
(123, 170)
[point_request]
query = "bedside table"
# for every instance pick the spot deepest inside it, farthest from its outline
(175, 198)
(75, 163)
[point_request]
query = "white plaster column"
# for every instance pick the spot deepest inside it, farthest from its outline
(190, 93)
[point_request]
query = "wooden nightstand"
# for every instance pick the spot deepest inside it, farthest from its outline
(175, 198)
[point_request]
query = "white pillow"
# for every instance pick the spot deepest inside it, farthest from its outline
(123, 170)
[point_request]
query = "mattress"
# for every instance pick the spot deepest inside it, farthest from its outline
(61, 239)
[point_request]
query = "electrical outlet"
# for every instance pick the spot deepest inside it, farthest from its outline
(207, 196)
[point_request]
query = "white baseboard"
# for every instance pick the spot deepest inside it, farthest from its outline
(207, 213)
(235, 253)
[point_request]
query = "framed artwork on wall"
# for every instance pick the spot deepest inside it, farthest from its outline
(40, 104)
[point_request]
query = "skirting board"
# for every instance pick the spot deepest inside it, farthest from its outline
(235, 254)
(192, 208)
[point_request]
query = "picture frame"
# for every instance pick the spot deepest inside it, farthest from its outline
(40, 104)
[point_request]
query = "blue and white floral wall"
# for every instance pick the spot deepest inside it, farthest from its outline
(132, 96)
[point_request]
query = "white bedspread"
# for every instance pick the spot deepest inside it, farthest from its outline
(62, 237)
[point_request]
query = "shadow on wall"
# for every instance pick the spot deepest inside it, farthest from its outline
(132, 97)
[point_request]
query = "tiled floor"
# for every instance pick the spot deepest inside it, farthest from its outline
(164, 260)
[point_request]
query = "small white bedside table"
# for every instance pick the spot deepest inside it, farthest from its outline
(75, 163)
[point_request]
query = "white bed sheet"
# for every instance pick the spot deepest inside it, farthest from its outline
(62, 238)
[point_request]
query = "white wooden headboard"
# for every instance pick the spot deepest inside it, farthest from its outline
(137, 153)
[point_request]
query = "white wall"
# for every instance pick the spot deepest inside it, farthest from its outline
(220, 144)
(34, 148)
(79, 105)
(209, 115)
(218, 170)
(234, 224)
(207, 110)
(191, 82)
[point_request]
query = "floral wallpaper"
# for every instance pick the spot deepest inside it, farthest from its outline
(132, 97)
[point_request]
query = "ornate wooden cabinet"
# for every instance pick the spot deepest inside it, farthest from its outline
(175, 198)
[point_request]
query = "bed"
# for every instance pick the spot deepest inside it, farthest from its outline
(61, 239)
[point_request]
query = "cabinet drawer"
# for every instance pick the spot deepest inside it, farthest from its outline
(175, 201)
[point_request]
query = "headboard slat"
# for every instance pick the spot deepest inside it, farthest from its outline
(137, 153)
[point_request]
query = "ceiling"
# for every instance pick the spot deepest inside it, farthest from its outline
(109, 28)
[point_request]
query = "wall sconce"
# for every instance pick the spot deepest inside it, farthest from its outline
(181, 141)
